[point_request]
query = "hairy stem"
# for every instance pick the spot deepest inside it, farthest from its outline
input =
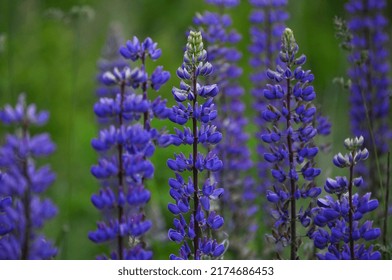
(350, 212)
(146, 126)
(120, 210)
(194, 169)
(293, 211)
(26, 200)
(386, 205)
(145, 96)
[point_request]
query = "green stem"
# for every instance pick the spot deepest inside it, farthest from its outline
(386, 205)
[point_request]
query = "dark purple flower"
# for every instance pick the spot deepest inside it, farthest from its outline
(267, 22)
(338, 221)
(135, 50)
(370, 81)
(290, 139)
(125, 148)
(220, 40)
(22, 217)
(6, 224)
(192, 228)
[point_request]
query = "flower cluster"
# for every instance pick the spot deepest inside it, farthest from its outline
(195, 216)
(267, 24)
(290, 138)
(238, 200)
(24, 182)
(125, 147)
(6, 225)
(369, 74)
(342, 216)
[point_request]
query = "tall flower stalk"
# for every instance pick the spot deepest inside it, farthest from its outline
(195, 218)
(25, 183)
(290, 138)
(131, 140)
(267, 20)
(370, 83)
(342, 216)
(238, 201)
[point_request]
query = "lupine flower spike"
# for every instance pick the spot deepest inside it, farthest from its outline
(238, 201)
(124, 170)
(339, 219)
(195, 218)
(25, 183)
(267, 22)
(370, 83)
(290, 138)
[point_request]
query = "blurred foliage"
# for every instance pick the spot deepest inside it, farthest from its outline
(49, 49)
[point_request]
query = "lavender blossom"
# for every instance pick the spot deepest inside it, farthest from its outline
(25, 182)
(195, 216)
(339, 220)
(370, 83)
(290, 138)
(125, 148)
(238, 201)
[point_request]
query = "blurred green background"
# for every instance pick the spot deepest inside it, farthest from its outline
(54, 62)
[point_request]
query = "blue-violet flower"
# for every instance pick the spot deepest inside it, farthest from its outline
(195, 215)
(25, 182)
(339, 220)
(290, 138)
(238, 201)
(370, 82)
(131, 140)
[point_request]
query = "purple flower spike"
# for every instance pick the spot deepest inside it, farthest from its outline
(22, 217)
(370, 82)
(291, 149)
(267, 22)
(192, 203)
(220, 40)
(339, 227)
(125, 144)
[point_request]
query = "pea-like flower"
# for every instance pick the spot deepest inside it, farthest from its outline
(338, 220)
(24, 211)
(192, 203)
(369, 73)
(290, 138)
(238, 202)
(125, 146)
